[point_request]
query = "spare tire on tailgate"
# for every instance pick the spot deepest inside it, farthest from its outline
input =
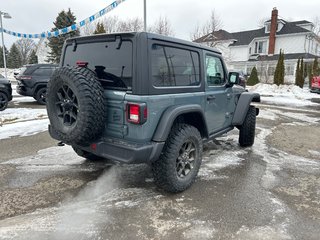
(76, 105)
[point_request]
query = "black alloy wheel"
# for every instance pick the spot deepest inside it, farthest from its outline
(186, 159)
(3, 101)
(67, 106)
(41, 96)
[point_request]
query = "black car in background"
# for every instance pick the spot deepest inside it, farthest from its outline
(32, 81)
(5, 92)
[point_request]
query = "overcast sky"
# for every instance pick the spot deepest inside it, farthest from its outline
(36, 16)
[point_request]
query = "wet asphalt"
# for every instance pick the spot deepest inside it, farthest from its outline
(268, 191)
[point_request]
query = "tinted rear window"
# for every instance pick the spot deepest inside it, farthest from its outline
(43, 72)
(111, 61)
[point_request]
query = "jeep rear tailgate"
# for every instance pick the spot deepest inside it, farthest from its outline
(115, 125)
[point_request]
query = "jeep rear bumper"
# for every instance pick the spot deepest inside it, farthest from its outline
(121, 150)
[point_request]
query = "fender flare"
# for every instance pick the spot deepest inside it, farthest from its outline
(170, 115)
(242, 108)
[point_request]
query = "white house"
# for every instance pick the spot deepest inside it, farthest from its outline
(261, 47)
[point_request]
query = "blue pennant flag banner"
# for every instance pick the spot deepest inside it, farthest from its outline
(67, 29)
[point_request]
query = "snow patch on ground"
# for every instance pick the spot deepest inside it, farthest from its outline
(284, 94)
(23, 129)
(200, 230)
(263, 233)
(49, 156)
(297, 116)
(225, 160)
(267, 114)
(17, 100)
(10, 73)
(314, 153)
(277, 159)
(13, 115)
(223, 157)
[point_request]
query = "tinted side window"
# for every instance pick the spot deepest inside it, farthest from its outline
(43, 72)
(174, 67)
(214, 71)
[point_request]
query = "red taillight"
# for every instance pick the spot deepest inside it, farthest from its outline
(82, 64)
(137, 113)
(134, 112)
(93, 146)
(24, 77)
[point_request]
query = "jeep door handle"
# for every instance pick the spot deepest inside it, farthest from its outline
(211, 97)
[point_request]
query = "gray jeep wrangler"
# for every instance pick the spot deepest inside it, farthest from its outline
(146, 98)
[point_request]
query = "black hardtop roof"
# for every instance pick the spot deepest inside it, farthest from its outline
(148, 35)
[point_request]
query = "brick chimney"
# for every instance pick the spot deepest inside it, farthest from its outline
(273, 30)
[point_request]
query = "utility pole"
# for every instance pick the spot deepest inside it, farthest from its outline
(5, 15)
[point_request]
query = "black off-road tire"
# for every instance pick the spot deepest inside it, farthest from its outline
(76, 105)
(247, 130)
(165, 169)
(3, 101)
(87, 155)
(41, 96)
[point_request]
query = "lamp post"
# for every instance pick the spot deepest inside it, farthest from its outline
(5, 15)
(145, 15)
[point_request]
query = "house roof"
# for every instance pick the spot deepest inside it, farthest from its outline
(302, 22)
(245, 37)
(288, 56)
(221, 35)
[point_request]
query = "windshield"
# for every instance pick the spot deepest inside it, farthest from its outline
(111, 61)
(1, 76)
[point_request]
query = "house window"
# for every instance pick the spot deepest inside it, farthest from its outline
(260, 47)
(289, 69)
(268, 28)
(271, 70)
(250, 51)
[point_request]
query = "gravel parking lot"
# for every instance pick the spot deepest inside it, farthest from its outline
(269, 191)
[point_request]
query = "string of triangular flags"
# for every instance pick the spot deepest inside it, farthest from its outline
(67, 29)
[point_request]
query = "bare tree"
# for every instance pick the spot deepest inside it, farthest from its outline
(88, 29)
(111, 24)
(114, 24)
(162, 26)
(316, 23)
(130, 25)
(212, 25)
(25, 47)
(262, 21)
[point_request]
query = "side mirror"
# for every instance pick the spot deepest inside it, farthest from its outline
(233, 78)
